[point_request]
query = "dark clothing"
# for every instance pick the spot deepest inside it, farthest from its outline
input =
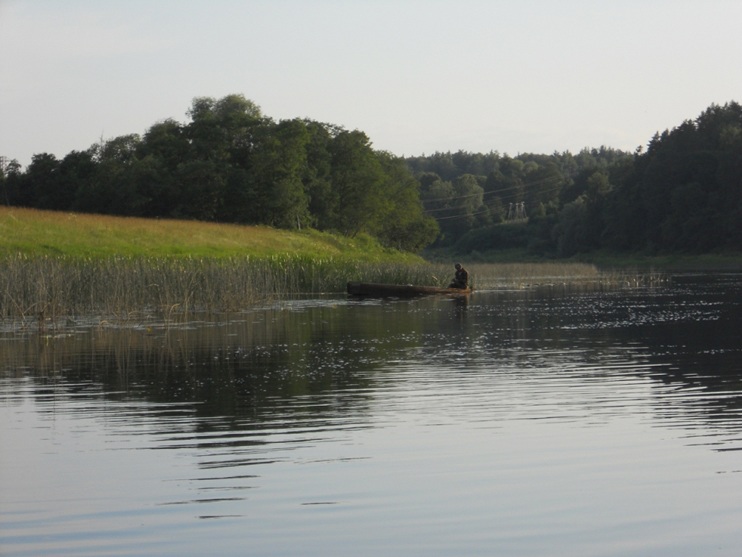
(460, 279)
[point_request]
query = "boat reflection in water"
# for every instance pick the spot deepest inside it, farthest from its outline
(377, 290)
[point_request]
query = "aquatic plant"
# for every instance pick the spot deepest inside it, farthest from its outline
(43, 289)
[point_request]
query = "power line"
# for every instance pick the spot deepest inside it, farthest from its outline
(463, 216)
(497, 192)
(485, 194)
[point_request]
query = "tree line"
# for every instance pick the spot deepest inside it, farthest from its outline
(683, 194)
(230, 163)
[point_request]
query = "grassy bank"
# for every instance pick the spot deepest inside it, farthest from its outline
(55, 266)
(47, 233)
(61, 264)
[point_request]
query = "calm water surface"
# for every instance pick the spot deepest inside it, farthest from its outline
(550, 421)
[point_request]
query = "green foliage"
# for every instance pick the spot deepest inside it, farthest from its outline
(278, 197)
(405, 226)
(358, 180)
(494, 238)
(230, 163)
(687, 187)
(683, 195)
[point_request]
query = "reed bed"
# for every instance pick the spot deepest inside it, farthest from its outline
(526, 275)
(48, 290)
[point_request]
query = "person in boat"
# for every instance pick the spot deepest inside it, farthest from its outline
(461, 278)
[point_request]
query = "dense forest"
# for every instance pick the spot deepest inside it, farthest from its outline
(683, 194)
(230, 163)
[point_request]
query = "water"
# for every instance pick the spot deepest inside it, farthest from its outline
(550, 421)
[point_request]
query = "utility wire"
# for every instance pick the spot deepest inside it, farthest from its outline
(496, 193)
(505, 199)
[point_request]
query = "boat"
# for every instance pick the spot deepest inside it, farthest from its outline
(378, 290)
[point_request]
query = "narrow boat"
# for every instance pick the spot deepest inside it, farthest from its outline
(377, 290)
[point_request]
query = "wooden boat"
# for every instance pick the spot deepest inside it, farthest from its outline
(377, 290)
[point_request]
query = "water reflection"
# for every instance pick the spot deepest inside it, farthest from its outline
(359, 406)
(241, 365)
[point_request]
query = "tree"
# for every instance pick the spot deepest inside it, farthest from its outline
(277, 167)
(164, 147)
(543, 183)
(729, 176)
(231, 163)
(437, 196)
(11, 179)
(467, 204)
(202, 190)
(42, 184)
(222, 130)
(76, 175)
(317, 179)
(112, 189)
(405, 225)
(570, 233)
(168, 142)
(624, 215)
(357, 181)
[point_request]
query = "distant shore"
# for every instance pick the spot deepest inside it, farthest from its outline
(724, 261)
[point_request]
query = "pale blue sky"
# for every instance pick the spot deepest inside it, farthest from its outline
(417, 76)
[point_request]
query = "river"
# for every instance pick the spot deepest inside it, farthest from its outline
(554, 420)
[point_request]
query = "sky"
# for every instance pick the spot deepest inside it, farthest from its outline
(417, 76)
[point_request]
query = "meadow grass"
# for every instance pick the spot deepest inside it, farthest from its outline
(50, 233)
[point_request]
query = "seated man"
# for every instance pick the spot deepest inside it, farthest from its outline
(461, 278)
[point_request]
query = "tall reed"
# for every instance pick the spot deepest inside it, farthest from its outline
(50, 287)
(44, 288)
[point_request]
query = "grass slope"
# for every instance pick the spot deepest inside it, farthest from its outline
(33, 232)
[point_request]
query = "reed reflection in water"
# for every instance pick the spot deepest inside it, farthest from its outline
(551, 421)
